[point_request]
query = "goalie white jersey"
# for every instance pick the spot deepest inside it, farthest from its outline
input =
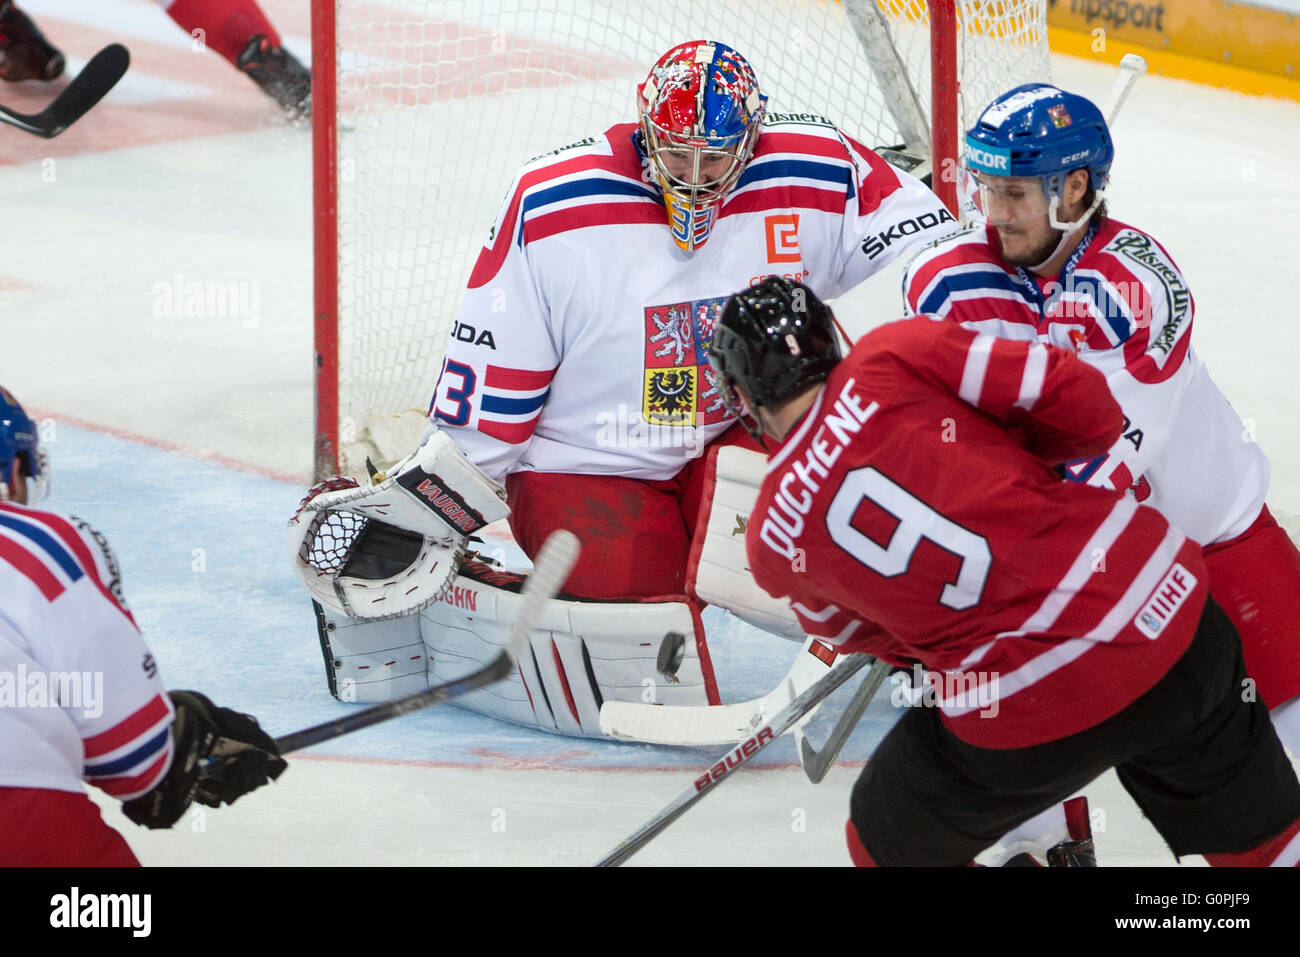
(580, 344)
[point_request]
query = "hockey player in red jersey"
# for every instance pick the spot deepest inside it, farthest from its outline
(81, 699)
(912, 510)
(236, 29)
(1050, 265)
(584, 388)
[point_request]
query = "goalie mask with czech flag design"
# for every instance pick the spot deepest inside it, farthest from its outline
(701, 113)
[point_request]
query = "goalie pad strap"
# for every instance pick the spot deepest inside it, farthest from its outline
(370, 661)
(718, 571)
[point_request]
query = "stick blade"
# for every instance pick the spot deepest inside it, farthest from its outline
(558, 555)
(88, 87)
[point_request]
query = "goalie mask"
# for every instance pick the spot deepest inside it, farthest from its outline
(701, 114)
(20, 448)
(772, 340)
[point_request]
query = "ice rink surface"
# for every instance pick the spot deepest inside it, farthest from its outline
(187, 441)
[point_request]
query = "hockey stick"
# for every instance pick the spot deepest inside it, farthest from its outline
(706, 725)
(554, 562)
(790, 715)
(817, 763)
(1131, 67)
(86, 89)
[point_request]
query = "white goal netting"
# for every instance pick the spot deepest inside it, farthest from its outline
(440, 101)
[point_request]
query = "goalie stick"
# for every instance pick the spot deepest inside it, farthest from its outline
(706, 725)
(86, 89)
(554, 562)
(817, 763)
(803, 704)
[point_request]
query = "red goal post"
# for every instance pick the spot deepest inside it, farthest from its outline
(424, 109)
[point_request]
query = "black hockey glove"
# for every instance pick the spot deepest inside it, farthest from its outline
(220, 756)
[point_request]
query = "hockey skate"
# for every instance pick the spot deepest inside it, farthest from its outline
(1078, 850)
(279, 74)
(1075, 850)
(25, 54)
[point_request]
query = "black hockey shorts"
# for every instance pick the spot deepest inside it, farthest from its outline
(1203, 764)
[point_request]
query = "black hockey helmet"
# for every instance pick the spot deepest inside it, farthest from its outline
(773, 340)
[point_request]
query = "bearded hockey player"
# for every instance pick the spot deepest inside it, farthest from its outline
(584, 400)
(1051, 266)
(915, 480)
(81, 699)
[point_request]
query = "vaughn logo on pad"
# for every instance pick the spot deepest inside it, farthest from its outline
(1165, 601)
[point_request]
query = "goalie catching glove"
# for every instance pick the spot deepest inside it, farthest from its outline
(220, 755)
(392, 548)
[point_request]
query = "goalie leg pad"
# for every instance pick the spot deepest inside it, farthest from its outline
(582, 653)
(718, 572)
(371, 661)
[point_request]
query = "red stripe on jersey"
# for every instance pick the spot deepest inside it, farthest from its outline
(990, 307)
(145, 781)
(625, 161)
(636, 212)
(1141, 362)
(520, 380)
(1143, 366)
(64, 529)
(31, 566)
(516, 433)
(786, 197)
(804, 144)
(127, 729)
(1002, 380)
(929, 264)
(880, 182)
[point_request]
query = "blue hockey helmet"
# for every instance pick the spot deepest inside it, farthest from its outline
(19, 444)
(1040, 131)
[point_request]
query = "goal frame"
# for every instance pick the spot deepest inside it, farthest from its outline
(941, 148)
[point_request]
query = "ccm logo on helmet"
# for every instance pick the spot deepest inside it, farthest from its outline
(1074, 158)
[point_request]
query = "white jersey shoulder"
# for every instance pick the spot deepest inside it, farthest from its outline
(80, 694)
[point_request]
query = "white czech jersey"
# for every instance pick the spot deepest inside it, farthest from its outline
(580, 344)
(80, 695)
(1123, 306)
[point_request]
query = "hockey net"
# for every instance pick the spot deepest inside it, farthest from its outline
(434, 104)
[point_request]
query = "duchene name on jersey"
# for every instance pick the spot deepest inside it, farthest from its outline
(784, 521)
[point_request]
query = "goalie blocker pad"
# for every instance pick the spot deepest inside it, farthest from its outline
(582, 653)
(389, 549)
(718, 572)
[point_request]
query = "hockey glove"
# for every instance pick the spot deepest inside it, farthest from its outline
(392, 548)
(220, 755)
